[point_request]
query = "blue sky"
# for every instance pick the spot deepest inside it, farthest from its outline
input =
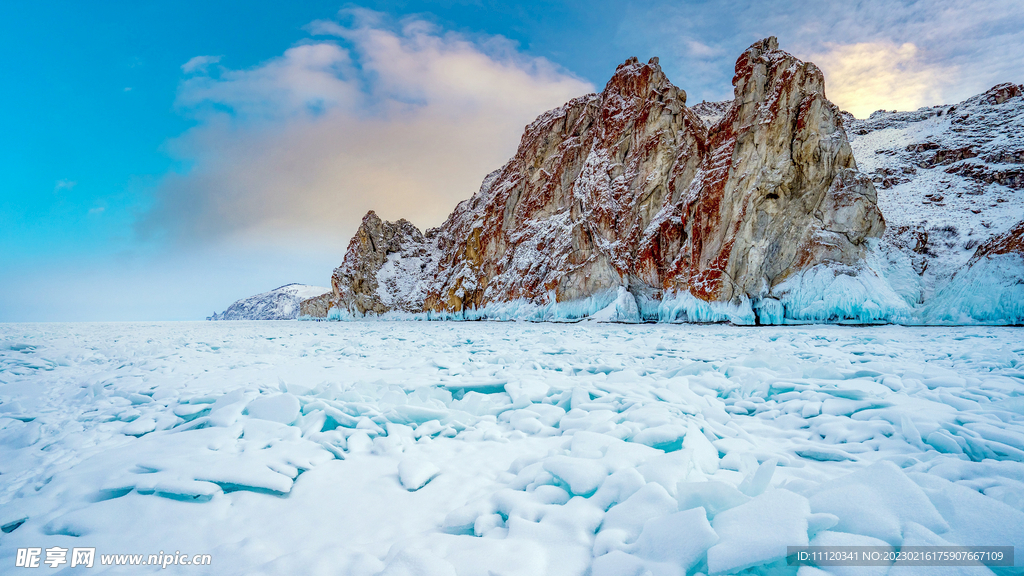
(162, 159)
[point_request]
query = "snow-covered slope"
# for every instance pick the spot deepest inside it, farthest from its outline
(950, 179)
(278, 304)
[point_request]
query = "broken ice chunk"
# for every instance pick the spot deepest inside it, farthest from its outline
(139, 427)
(186, 490)
(705, 455)
(759, 480)
(618, 487)
(414, 473)
(648, 502)
(713, 496)
(917, 535)
(828, 538)
(618, 563)
(970, 515)
(759, 531)
(283, 408)
(486, 523)
(877, 501)
(680, 538)
(582, 475)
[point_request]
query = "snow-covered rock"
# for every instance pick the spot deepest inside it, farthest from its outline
(711, 112)
(630, 190)
(628, 206)
(989, 289)
(383, 268)
(316, 307)
(278, 304)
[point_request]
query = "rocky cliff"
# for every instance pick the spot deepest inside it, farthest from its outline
(315, 308)
(631, 189)
(385, 268)
(628, 205)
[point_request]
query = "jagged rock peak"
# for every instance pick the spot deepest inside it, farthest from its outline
(1002, 92)
(379, 245)
(632, 79)
(779, 191)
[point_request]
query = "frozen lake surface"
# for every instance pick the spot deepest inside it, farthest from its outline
(483, 448)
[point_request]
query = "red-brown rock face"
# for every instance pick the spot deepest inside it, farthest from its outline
(567, 214)
(1011, 242)
(778, 191)
(630, 188)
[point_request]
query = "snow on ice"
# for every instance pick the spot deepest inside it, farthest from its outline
(481, 448)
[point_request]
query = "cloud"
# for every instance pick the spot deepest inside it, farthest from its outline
(698, 49)
(304, 79)
(64, 184)
(402, 118)
(861, 78)
(199, 64)
(875, 53)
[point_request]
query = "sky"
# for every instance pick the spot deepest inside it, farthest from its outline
(161, 160)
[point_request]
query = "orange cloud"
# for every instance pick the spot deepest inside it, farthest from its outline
(864, 77)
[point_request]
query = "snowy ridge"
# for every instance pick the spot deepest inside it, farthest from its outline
(278, 304)
(711, 112)
(990, 289)
(517, 449)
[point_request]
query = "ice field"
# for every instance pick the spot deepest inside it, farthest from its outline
(478, 448)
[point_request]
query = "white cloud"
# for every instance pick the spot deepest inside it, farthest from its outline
(64, 184)
(698, 49)
(199, 64)
(923, 52)
(406, 120)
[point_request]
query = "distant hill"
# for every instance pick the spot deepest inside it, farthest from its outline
(278, 304)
